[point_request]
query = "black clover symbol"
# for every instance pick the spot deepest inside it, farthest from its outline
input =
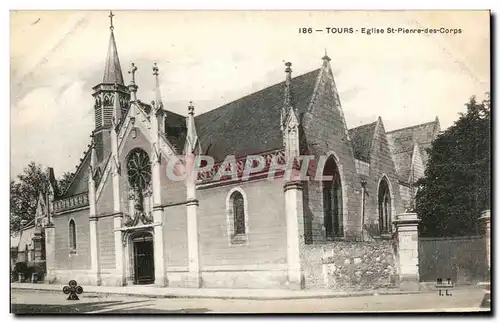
(73, 289)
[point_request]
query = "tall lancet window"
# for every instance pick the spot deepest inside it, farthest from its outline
(236, 210)
(384, 207)
(239, 213)
(72, 235)
(332, 200)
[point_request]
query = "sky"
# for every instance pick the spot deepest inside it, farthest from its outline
(215, 57)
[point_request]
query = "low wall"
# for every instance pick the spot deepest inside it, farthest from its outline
(348, 266)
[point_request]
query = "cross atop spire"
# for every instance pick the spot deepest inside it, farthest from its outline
(326, 58)
(112, 69)
(111, 15)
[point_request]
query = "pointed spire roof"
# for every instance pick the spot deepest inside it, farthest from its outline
(112, 69)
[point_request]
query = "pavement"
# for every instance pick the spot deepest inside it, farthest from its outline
(252, 294)
(29, 301)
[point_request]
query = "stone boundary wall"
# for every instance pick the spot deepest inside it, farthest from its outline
(351, 266)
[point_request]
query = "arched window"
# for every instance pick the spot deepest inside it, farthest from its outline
(384, 207)
(138, 169)
(237, 217)
(239, 213)
(72, 236)
(139, 180)
(332, 200)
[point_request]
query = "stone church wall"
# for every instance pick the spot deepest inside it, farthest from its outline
(64, 260)
(324, 132)
(351, 266)
(106, 243)
(175, 236)
(261, 261)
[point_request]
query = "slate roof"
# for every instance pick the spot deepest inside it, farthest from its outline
(361, 140)
(251, 124)
(79, 183)
(112, 69)
(402, 141)
(176, 130)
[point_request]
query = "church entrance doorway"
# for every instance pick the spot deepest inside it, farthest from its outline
(143, 258)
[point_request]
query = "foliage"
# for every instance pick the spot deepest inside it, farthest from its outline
(456, 187)
(24, 194)
(64, 182)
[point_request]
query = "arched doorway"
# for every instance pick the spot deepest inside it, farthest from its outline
(384, 207)
(332, 200)
(142, 254)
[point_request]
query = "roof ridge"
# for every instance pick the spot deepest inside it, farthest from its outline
(363, 125)
(414, 126)
(256, 92)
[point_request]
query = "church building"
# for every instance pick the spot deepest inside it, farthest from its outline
(123, 221)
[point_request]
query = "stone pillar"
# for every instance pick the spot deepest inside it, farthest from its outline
(194, 277)
(50, 252)
(37, 246)
(407, 235)
(294, 233)
(159, 261)
(486, 219)
(118, 215)
(93, 229)
(94, 250)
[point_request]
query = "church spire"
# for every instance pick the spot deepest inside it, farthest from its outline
(112, 70)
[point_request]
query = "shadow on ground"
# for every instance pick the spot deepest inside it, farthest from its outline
(80, 308)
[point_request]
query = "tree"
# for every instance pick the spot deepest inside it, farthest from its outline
(24, 194)
(64, 182)
(456, 187)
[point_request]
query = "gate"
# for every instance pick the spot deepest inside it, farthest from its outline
(463, 259)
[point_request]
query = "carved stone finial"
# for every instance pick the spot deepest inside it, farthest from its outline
(132, 71)
(288, 84)
(326, 58)
(191, 108)
(155, 69)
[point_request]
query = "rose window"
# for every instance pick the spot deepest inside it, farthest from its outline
(138, 169)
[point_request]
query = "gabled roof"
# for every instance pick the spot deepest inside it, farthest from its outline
(252, 124)
(79, 182)
(402, 142)
(361, 140)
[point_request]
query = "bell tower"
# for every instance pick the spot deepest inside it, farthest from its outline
(111, 98)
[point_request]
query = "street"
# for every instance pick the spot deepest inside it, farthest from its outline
(30, 302)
